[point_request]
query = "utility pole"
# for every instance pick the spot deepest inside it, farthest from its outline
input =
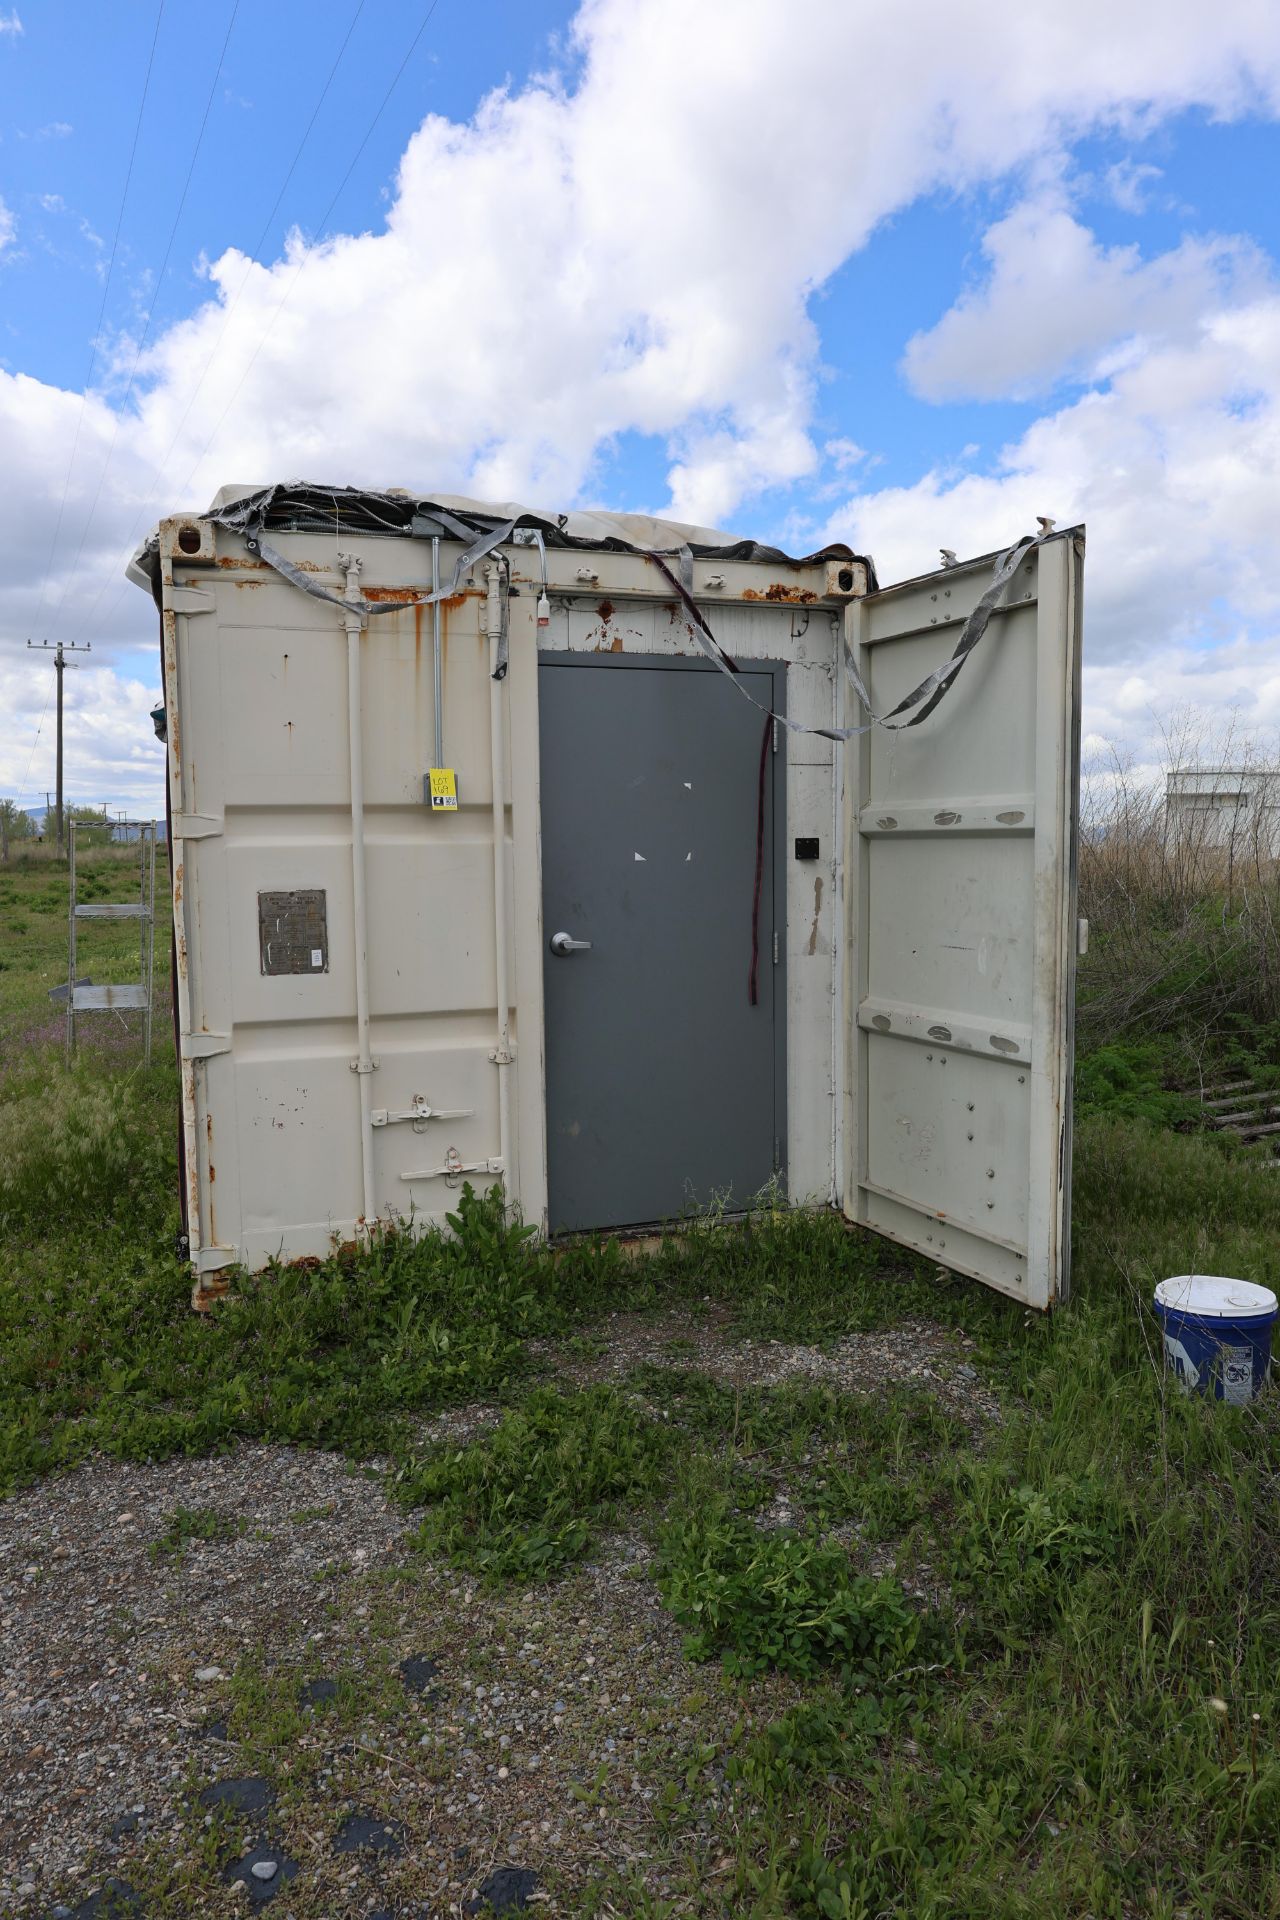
(59, 665)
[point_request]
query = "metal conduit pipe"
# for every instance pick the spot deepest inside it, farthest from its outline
(437, 665)
(363, 1063)
(501, 1054)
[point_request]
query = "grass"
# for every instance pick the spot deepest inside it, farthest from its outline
(1065, 1725)
(520, 1503)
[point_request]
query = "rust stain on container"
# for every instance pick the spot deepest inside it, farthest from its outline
(192, 1170)
(235, 563)
(780, 593)
(404, 596)
(605, 610)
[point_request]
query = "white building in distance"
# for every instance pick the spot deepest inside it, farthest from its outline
(1233, 810)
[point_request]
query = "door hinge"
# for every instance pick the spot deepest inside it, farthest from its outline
(209, 1259)
(775, 946)
(190, 600)
(196, 826)
(203, 1046)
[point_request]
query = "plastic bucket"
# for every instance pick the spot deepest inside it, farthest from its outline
(1217, 1334)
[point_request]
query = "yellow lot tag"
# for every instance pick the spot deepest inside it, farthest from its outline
(444, 790)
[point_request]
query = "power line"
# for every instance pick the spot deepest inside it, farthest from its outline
(102, 311)
(164, 267)
(22, 791)
(259, 244)
(324, 219)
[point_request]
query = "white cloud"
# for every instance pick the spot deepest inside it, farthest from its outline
(1057, 303)
(8, 225)
(1127, 183)
(10, 24)
(844, 453)
(1175, 468)
(110, 745)
(631, 248)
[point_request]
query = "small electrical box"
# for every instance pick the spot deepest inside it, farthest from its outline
(807, 849)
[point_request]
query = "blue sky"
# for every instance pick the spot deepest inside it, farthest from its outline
(712, 256)
(69, 124)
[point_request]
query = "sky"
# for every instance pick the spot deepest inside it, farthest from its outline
(905, 276)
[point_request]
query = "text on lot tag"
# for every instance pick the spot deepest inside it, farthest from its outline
(442, 786)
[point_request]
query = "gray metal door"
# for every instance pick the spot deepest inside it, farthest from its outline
(664, 1081)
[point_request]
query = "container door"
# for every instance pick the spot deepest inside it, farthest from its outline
(661, 901)
(961, 841)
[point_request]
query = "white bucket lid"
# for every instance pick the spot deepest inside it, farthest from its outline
(1214, 1297)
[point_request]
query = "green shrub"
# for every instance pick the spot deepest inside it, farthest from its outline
(520, 1502)
(1018, 1550)
(1130, 1078)
(782, 1599)
(821, 1736)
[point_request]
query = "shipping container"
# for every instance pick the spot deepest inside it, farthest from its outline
(563, 852)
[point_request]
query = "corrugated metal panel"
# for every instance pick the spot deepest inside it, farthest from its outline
(256, 686)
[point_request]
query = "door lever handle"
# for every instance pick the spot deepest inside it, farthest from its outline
(562, 944)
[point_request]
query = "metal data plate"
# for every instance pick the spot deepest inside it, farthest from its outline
(293, 931)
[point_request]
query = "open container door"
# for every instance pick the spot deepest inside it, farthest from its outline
(961, 900)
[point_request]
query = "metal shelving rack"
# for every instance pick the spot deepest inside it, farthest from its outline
(82, 997)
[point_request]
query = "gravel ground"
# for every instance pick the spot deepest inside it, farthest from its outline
(912, 1354)
(100, 1699)
(529, 1732)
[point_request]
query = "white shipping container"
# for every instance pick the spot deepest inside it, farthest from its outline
(663, 950)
